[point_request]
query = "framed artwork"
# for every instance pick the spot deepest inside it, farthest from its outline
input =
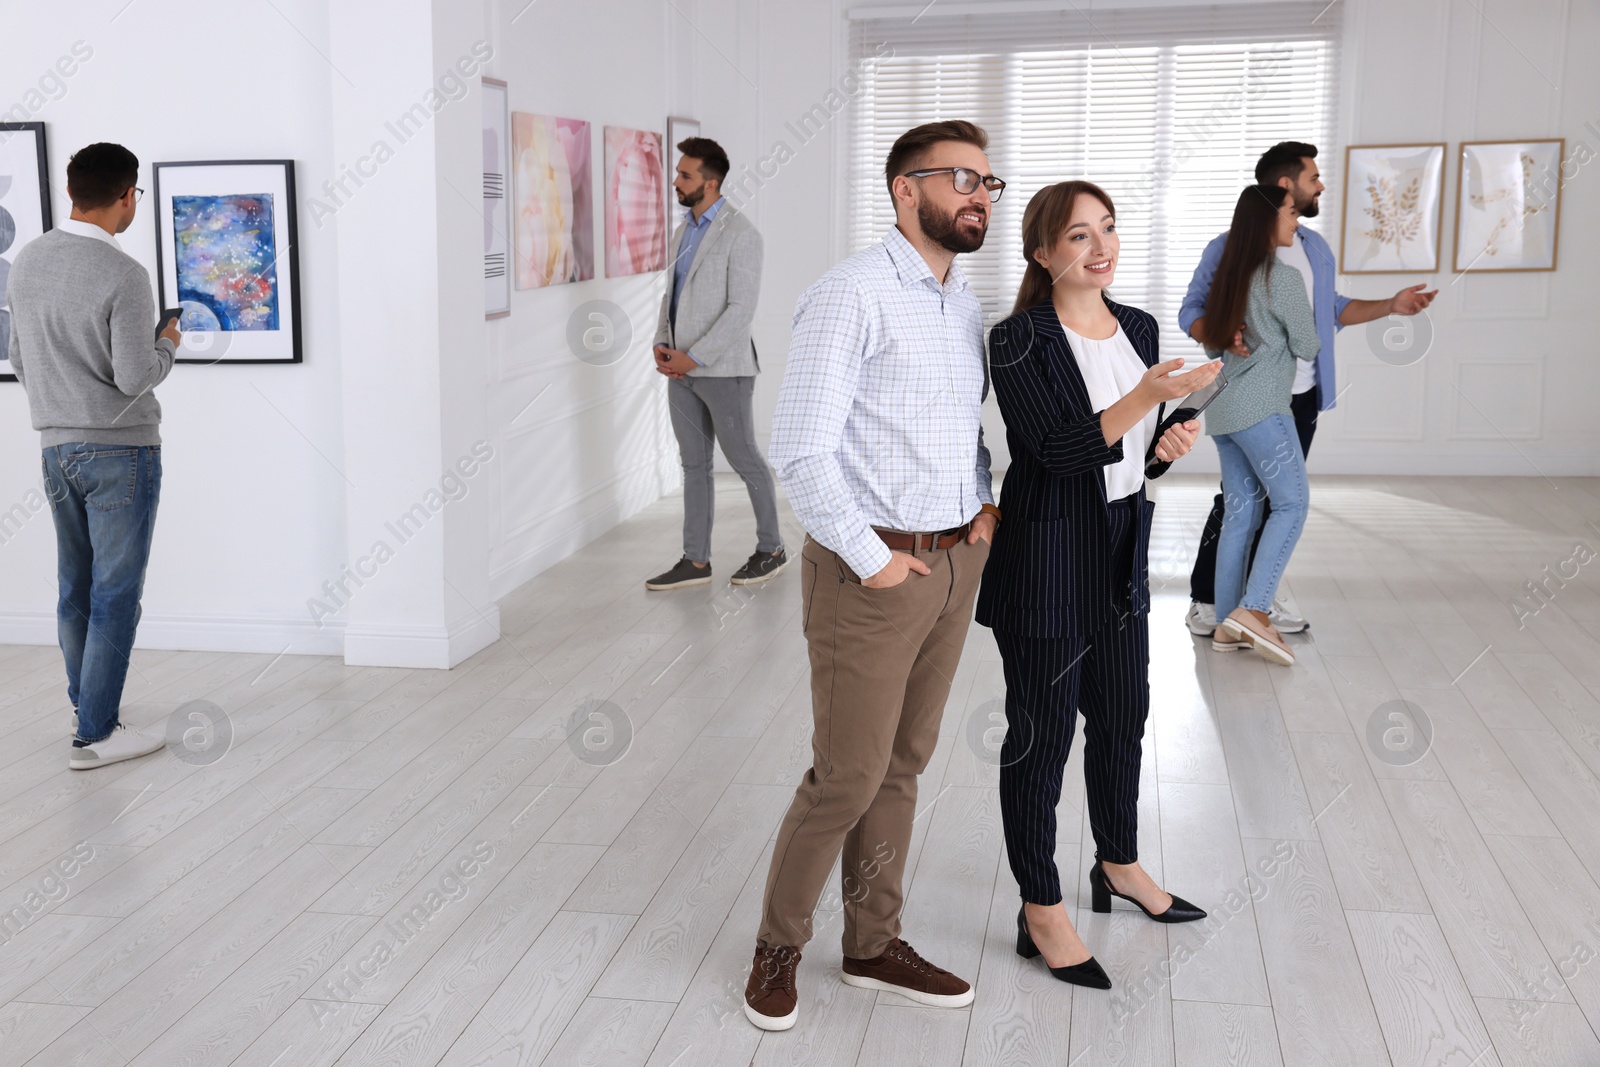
(227, 252)
(554, 198)
(496, 217)
(1508, 205)
(636, 220)
(24, 210)
(1393, 208)
(677, 130)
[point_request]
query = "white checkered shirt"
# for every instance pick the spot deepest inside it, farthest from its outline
(878, 417)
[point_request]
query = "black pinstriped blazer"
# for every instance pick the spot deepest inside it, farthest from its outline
(1048, 574)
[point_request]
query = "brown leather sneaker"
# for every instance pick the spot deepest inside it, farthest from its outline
(901, 970)
(770, 1000)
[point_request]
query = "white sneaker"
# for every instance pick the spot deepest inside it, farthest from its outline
(124, 743)
(1202, 619)
(1287, 621)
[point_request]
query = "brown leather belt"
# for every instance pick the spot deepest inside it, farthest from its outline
(924, 542)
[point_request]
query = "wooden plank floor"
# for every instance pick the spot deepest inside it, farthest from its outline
(554, 853)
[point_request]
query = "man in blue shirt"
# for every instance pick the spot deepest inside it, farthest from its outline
(703, 345)
(1291, 165)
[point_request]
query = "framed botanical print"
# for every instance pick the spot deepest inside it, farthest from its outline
(1393, 208)
(496, 209)
(1508, 205)
(227, 253)
(24, 210)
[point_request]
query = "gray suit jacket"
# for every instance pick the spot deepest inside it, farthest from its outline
(718, 300)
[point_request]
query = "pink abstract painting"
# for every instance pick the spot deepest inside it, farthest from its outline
(636, 219)
(554, 200)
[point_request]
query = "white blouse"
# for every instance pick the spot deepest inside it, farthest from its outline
(1111, 368)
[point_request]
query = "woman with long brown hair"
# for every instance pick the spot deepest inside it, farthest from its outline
(1252, 422)
(1065, 590)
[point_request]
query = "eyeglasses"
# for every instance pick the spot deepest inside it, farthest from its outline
(138, 194)
(966, 181)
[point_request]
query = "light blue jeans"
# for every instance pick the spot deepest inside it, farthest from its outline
(1259, 462)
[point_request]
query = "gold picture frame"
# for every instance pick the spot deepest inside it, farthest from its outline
(1399, 215)
(1501, 233)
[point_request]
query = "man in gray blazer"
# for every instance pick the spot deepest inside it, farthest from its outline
(703, 345)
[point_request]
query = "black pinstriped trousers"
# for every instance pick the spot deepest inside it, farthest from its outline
(1103, 674)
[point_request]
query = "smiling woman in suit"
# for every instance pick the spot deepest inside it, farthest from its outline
(1065, 591)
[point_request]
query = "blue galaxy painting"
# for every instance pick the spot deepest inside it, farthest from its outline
(226, 259)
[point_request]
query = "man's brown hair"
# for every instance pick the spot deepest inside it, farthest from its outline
(911, 148)
(713, 160)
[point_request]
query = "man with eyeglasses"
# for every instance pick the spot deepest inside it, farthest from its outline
(878, 443)
(83, 347)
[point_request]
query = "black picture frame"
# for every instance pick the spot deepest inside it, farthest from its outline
(290, 256)
(42, 155)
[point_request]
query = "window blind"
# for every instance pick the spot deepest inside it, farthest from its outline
(1166, 108)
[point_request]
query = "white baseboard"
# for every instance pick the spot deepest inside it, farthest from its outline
(650, 482)
(436, 647)
(196, 633)
(1402, 464)
(380, 646)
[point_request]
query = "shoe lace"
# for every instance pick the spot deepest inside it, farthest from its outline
(909, 956)
(777, 967)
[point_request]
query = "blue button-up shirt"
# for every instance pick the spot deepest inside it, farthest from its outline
(1326, 304)
(878, 420)
(694, 231)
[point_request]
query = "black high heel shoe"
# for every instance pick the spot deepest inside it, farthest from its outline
(1088, 973)
(1181, 910)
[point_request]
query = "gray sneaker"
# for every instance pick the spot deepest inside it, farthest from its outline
(683, 573)
(1287, 621)
(760, 567)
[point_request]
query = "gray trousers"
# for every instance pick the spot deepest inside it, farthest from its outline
(723, 410)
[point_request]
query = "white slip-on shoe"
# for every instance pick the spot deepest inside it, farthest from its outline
(1202, 618)
(1241, 625)
(124, 743)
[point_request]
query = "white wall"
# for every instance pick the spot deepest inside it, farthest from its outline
(596, 444)
(250, 519)
(1507, 387)
(581, 446)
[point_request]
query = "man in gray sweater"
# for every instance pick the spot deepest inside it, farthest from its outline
(82, 346)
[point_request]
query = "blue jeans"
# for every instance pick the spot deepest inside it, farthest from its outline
(1260, 462)
(103, 499)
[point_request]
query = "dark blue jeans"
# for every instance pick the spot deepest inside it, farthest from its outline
(103, 498)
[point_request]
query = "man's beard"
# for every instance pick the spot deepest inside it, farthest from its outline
(1309, 209)
(692, 199)
(946, 232)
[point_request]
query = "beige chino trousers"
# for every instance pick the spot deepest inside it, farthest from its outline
(882, 661)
